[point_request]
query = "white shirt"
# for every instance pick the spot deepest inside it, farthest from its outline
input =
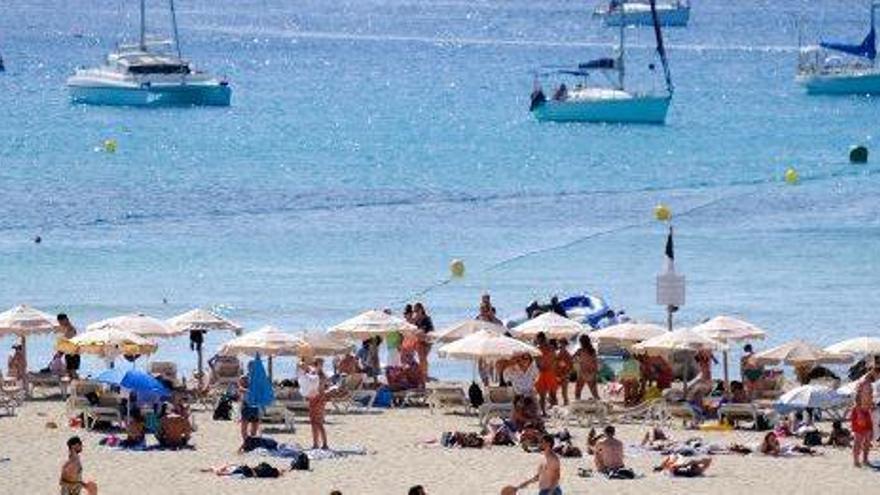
(523, 382)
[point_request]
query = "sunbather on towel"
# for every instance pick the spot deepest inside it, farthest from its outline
(608, 456)
(685, 467)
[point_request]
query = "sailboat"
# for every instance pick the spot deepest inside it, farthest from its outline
(821, 72)
(150, 73)
(675, 13)
(587, 102)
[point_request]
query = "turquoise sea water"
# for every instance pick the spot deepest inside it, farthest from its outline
(370, 142)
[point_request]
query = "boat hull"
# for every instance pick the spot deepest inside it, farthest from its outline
(668, 17)
(841, 84)
(635, 110)
(219, 95)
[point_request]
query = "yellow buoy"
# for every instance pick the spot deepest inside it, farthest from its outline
(662, 213)
(110, 145)
(457, 268)
(791, 176)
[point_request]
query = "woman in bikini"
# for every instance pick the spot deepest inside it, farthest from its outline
(587, 365)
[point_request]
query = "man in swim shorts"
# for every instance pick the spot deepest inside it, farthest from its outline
(549, 471)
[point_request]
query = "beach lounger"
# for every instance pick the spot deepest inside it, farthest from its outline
(440, 395)
(352, 396)
(647, 412)
(734, 413)
(677, 410)
(11, 398)
(278, 413)
(226, 371)
(586, 413)
(48, 380)
(499, 404)
(165, 370)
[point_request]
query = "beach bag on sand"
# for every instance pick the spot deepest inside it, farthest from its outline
(300, 463)
(812, 439)
(383, 397)
(223, 409)
(475, 394)
(264, 470)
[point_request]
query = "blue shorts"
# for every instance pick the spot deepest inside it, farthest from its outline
(555, 491)
(250, 413)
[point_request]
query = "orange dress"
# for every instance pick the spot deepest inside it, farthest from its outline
(547, 381)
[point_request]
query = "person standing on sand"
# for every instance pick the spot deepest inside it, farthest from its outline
(862, 421)
(71, 480)
(71, 360)
(317, 403)
(547, 383)
(587, 366)
(564, 366)
(549, 471)
(425, 326)
(250, 415)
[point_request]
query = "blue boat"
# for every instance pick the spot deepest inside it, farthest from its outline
(629, 13)
(151, 73)
(586, 101)
(589, 310)
(821, 72)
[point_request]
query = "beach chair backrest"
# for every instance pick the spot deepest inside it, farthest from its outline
(228, 367)
(165, 369)
(500, 395)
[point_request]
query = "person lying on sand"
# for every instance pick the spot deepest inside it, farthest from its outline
(770, 446)
(656, 439)
(685, 467)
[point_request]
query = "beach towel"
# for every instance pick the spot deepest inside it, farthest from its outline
(337, 453)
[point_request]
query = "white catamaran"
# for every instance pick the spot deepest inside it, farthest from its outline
(587, 102)
(148, 73)
(822, 72)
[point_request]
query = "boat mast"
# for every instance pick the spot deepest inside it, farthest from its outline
(661, 50)
(174, 28)
(143, 25)
(620, 50)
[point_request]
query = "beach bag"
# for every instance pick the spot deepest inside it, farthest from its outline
(300, 462)
(812, 439)
(264, 470)
(762, 424)
(383, 397)
(475, 394)
(223, 409)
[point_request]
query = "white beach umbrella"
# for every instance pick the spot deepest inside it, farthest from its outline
(467, 327)
(552, 325)
(200, 320)
(859, 346)
(138, 324)
(486, 345)
(322, 344)
(798, 352)
(809, 396)
(682, 339)
(23, 320)
(108, 342)
(268, 341)
(725, 329)
(626, 334)
(371, 324)
(849, 389)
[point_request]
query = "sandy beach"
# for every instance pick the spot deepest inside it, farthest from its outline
(396, 461)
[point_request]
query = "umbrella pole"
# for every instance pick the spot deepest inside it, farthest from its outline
(270, 370)
(24, 376)
(726, 374)
(200, 366)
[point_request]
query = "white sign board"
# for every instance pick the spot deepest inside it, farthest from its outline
(670, 289)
